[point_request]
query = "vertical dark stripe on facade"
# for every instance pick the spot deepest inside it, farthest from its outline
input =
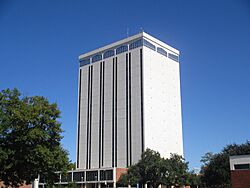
(142, 118)
(100, 115)
(116, 112)
(103, 93)
(130, 132)
(79, 115)
(87, 152)
(127, 149)
(113, 111)
(90, 114)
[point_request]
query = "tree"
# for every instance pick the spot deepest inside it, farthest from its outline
(177, 171)
(30, 136)
(193, 179)
(147, 170)
(150, 167)
(155, 170)
(216, 168)
(71, 165)
(131, 177)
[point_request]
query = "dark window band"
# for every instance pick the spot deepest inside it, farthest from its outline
(162, 51)
(108, 54)
(135, 44)
(84, 62)
(148, 44)
(242, 166)
(97, 57)
(173, 57)
(121, 49)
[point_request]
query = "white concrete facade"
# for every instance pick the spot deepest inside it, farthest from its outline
(129, 100)
(162, 104)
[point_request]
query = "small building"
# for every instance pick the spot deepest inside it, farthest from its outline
(91, 178)
(240, 171)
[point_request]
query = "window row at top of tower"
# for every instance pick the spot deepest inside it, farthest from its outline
(124, 48)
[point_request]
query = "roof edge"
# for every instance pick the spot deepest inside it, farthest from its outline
(128, 39)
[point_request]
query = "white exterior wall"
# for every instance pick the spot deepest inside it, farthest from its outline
(95, 116)
(83, 117)
(162, 104)
(135, 106)
(107, 146)
(121, 110)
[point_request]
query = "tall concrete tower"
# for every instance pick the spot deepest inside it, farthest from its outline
(129, 100)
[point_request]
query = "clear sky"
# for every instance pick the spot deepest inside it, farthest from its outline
(40, 42)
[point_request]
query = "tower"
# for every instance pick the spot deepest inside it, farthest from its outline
(129, 100)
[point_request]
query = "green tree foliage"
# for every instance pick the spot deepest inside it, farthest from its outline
(216, 168)
(146, 170)
(176, 171)
(150, 167)
(193, 179)
(155, 170)
(72, 165)
(30, 136)
(131, 177)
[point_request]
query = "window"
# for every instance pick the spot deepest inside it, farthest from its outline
(78, 176)
(148, 44)
(57, 178)
(242, 166)
(97, 57)
(108, 53)
(106, 175)
(43, 179)
(66, 177)
(162, 51)
(84, 62)
(135, 44)
(121, 49)
(91, 175)
(173, 57)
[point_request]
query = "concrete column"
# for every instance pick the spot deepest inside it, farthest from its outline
(35, 183)
(114, 185)
(99, 185)
(146, 185)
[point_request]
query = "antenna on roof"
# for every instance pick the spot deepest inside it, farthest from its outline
(141, 30)
(127, 32)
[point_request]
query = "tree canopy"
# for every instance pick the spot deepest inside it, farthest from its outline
(155, 170)
(216, 168)
(30, 136)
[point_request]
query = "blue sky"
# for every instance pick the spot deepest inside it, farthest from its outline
(40, 42)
